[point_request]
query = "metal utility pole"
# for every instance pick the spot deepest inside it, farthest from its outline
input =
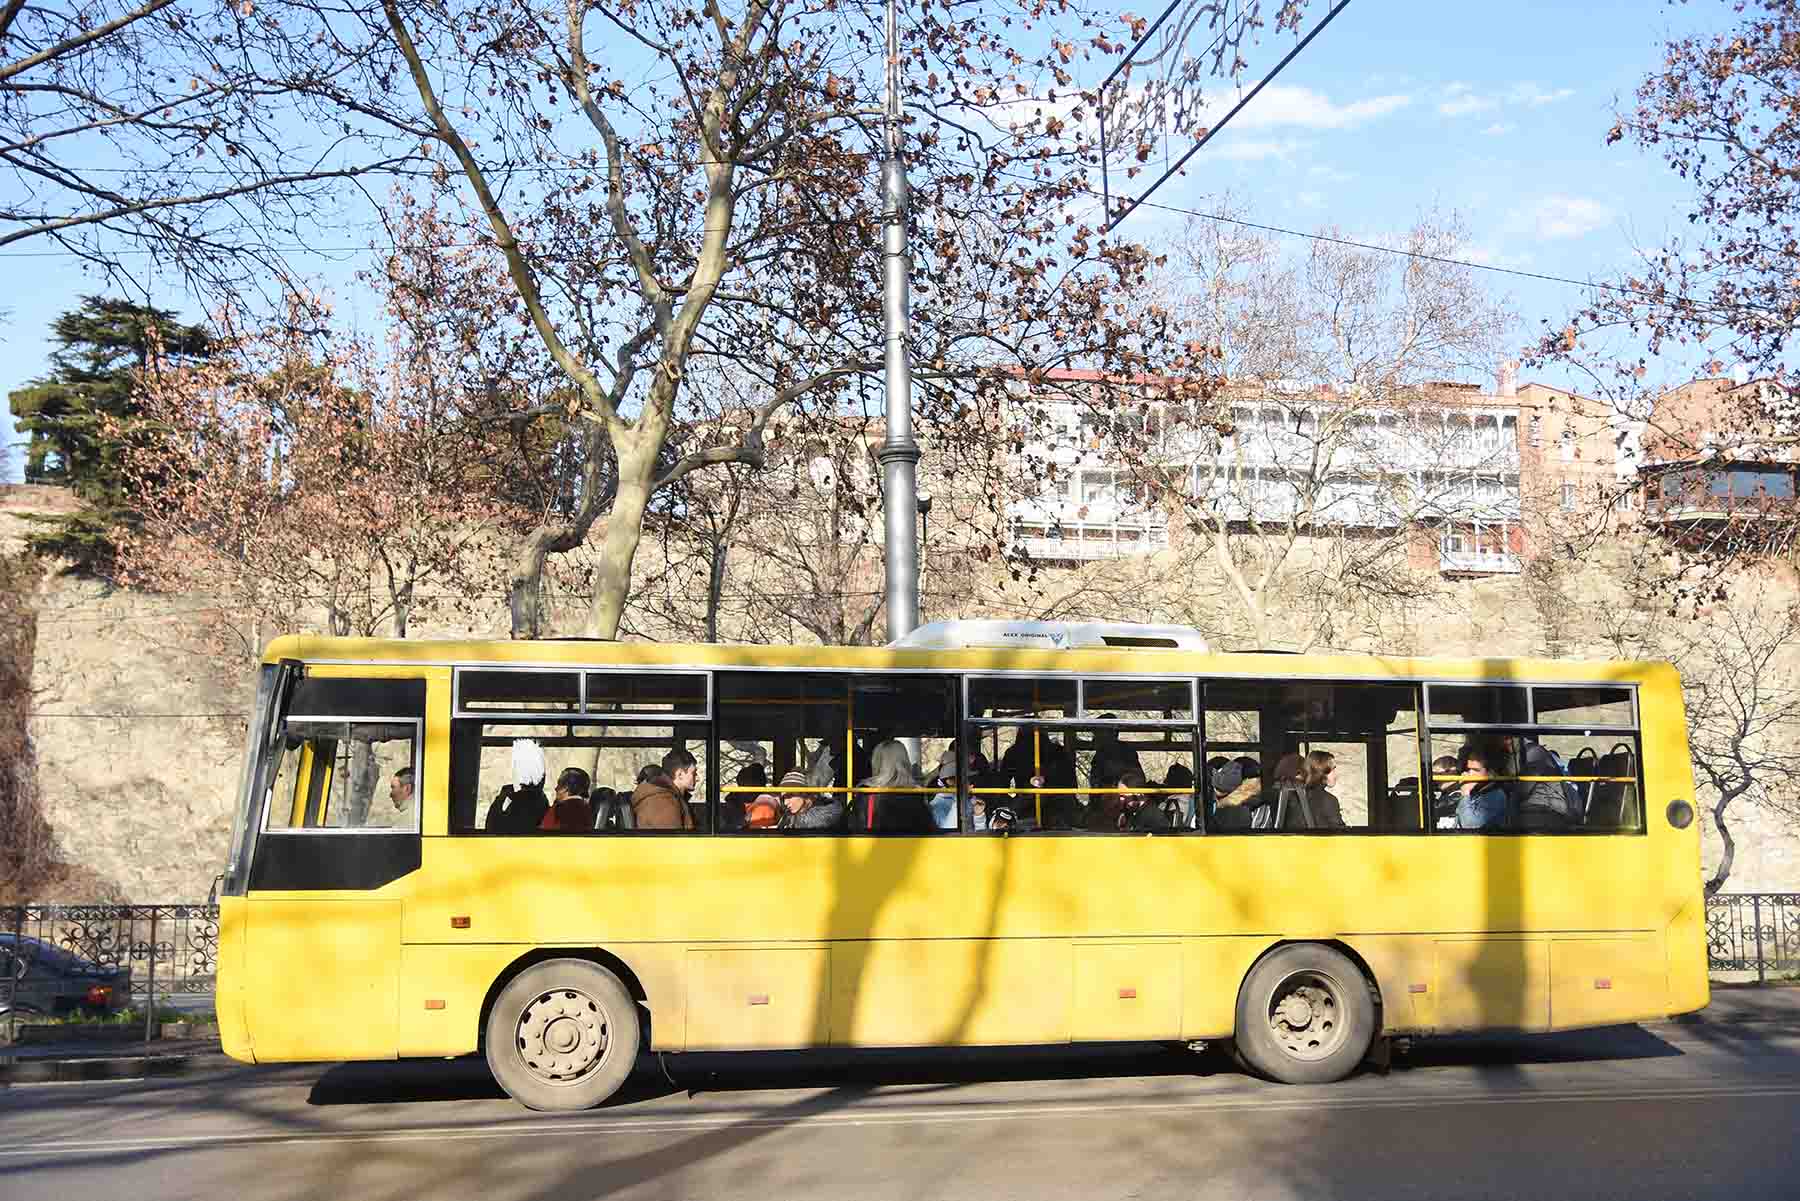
(899, 453)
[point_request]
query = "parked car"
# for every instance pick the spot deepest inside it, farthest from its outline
(40, 977)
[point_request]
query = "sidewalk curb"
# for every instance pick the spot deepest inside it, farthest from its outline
(124, 1067)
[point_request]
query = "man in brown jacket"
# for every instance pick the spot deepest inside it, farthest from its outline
(661, 803)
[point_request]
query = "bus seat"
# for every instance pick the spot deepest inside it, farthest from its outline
(1613, 805)
(1304, 812)
(612, 811)
(1402, 809)
(1586, 762)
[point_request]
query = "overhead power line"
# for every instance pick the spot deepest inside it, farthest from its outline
(1113, 222)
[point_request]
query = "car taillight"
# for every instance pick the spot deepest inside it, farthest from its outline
(99, 994)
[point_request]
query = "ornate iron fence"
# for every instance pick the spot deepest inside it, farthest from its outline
(1753, 932)
(62, 958)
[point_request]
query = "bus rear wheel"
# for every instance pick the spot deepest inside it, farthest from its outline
(1304, 1015)
(562, 1035)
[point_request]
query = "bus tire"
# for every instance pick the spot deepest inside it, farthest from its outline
(563, 1034)
(1304, 1015)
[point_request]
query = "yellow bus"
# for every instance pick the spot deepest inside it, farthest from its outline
(558, 854)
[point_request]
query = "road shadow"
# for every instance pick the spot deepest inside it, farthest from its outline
(850, 1071)
(1609, 1043)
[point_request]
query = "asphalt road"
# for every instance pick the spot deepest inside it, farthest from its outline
(1691, 1110)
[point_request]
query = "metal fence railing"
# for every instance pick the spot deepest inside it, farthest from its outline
(1753, 932)
(103, 958)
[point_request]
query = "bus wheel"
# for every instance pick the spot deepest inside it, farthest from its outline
(563, 1034)
(1304, 1015)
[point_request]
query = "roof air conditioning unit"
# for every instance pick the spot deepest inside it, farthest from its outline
(1049, 635)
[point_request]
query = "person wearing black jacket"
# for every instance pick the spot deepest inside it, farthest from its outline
(1543, 803)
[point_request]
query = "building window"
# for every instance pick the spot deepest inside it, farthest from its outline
(1568, 446)
(1568, 498)
(1537, 430)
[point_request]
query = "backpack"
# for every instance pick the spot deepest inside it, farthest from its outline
(1571, 791)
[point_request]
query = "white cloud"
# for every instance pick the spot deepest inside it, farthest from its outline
(1535, 96)
(1558, 216)
(1310, 200)
(1250, 150)
(1498, 128)
(1280, 106)
(1461, 100)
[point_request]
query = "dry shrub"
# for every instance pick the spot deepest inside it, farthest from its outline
(27, 847)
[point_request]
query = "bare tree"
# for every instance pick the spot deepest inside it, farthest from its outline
(1737, 661)
(139, 134)
(727, 161)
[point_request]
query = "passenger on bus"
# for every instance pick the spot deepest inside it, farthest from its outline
(982, 775)
(661, 803)
(1447, 793)
(569, 809)
(1235, 794)
(520, 806)
(1111, 759)
(736, 805)
(649, 772)
(398, 815)
(1543, 803)
(891, 812)
(1481, 803)
(1130, 808)
(809, 810)
(1036, 760)
(943, 802)
(1321, 811)
(762, 811)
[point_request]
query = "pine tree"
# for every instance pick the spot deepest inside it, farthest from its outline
(78, 419)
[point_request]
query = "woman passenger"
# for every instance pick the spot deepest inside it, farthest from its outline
(808, 810)
(1317, 777)
(892, 812)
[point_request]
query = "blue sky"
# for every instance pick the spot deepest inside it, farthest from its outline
(1498, 111)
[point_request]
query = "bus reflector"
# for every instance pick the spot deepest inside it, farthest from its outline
(434, 1004)
(759, 998)
(1603, 984)
(1415, 988)
(1128, 994)
(459, 923)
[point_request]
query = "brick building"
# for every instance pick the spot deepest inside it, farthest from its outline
(1719, 449)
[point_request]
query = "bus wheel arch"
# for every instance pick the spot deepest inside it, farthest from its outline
(1307, 1012)
(596, 955)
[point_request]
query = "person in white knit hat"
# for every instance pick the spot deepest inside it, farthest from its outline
(521, 805)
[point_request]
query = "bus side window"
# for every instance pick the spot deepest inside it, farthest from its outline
(1329, 756)
(1099, 755)
(605, 758)
(594, 733)
(336, 775)
(776, 726)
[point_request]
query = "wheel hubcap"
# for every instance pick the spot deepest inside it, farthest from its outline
(1306, 1015)
(562, 1035)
